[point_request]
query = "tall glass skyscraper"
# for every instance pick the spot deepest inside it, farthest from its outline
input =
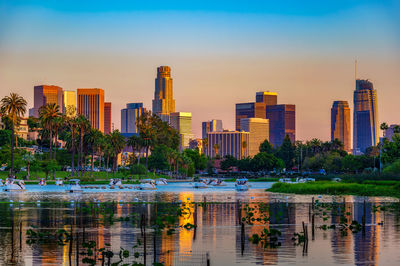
(129, 116)
(365, 117)
(163, 103)
(182, 122)
(340, 123)
(282, 122)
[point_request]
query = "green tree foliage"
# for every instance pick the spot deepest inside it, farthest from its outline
(199, 160)
(393, 169)
(228, 162)
(286, 152)
(265, 162)
(5, 137)
(391, 149)
(138, 169)
(266, 147)
(158, 158)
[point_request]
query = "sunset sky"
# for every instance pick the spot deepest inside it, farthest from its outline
(220, 53)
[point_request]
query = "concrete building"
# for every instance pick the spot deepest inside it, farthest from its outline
(182, 122)
(255, 109)
(282, 122)
(91, 105)
(163, 103)
(340, 123)
(389, 133)
(129, 116)
(44, 94)
(259, 132)
(228, 143)
(365, 116)
(211, 126)
(22, 130)
(69, 102)
(107, 118)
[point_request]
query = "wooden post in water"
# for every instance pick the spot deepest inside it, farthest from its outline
(154, 247)
(205, 203)
(239, 212)
(195, 221)
(208, 259)
(312, 227)
(20, 236)
(313, 203)
(364, 217)
(70, 246)
(242, 238)
(144, 240)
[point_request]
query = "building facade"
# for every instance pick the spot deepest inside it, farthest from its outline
(282, 122)
(129, 116)
(182, 122)
(211, 126)
(69, 102)
(259, 132)
(228, 143)
(340, 123)
(255, 109)
(91, 105)
(44, 94)
(163, 103)
(389, 133)
(107, 118)
(365, 116)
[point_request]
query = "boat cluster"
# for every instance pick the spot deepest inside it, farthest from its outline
(241, 184)
(298, 180)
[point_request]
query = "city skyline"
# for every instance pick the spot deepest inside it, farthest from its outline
(308, 58)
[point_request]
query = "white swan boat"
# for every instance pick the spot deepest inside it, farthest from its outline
(242, 184)
(59, 182)
(1, 182)
(14, 185)
(161, 181)
(42, 182)
(200, 184)
(147, 184)
(217, 183)
(115, 182)
(74, 186)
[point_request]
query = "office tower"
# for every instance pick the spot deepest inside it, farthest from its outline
(107, 118)
(91, 105)
(282, 122)
(389, 133)
(69, 102)
(228, 143)
(340, 123)
(44, 94)
(259, 132)
(365, 116)
(211, 126)
(129, 116)
(163, 103)
(182, 122)
(255, 109)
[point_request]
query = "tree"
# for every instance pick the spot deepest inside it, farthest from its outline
(216, 149)
(28, 158)
(83, 125)
(5, 137)
(244, 147)
(265, 161)
(228, 162)
(286, 152)
(117, 144)
(136, 143)
(48, 113)
(205, 144)
(58, 122)
(94, 139)
(13, 107)
(384, 126)
(266, 147)
(391, 149)
(71, 123)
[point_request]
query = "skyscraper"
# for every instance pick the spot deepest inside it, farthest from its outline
(228, 143)
(91, 105)
(282, 122)
(182, 122)
(259, 132)
(129, 116)
(340, 123)
(107, 117)
(255, 109)
(365, 116)
(163, 103)
(69, 101)
(44, 94)
(211, 126)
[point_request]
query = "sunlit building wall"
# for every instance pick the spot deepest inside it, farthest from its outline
(69, 101)
(163, 103)
(365, 119)
(182, 122)
(91, 105)
(282, 122)
(44, 94)
(107, 118)
(129, 116)
(259, 132)
(211, 126)
(229, 143)
(340, 123)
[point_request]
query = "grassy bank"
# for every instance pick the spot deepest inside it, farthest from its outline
(334, 188)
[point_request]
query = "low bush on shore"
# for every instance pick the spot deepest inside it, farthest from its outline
(334, 188)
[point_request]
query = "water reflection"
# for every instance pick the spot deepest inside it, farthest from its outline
(216, 231)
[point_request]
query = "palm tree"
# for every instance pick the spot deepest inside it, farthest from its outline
(58, 122)
(14, 107)
(244, 147)
(396, 129)
(83, 125)
(136, 143)
(216, 149)
(384, 126)
(28, 158)
(205, 144)
(47, 114)
(93, 138)
(117, 143)
(70, 121)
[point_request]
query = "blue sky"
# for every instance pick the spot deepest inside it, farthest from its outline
(221, 52)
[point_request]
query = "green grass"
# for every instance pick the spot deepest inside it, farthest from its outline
(334, 188)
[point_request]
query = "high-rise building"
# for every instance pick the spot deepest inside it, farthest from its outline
(389, 133)
(182, 122)
(129, 116)
(44, 94)
(69, 102)
(340, 123)
(211, 126)
(163, 103)
(365, 116)
(91, 105)
(255, 109)
(107, 117)
(228, 143)
(259, 132)
(282, 122)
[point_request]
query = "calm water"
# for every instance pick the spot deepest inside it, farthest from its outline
(218, 232)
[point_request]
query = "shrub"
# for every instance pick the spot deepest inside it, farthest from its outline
(139, 169)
